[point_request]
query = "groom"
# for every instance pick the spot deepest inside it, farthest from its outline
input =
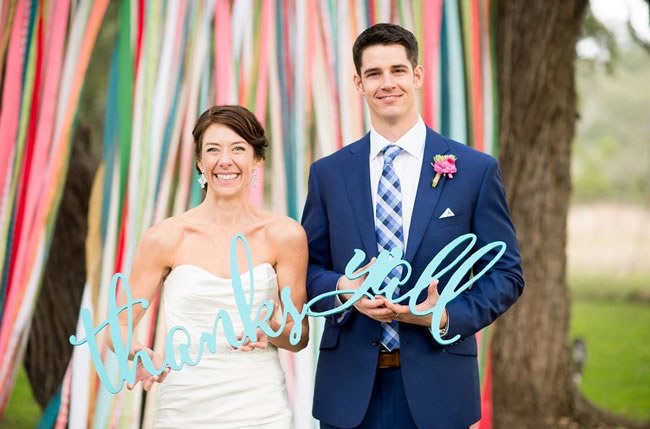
(379, 366)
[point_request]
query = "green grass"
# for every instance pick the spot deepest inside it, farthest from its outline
(22, 412)
(617, 371)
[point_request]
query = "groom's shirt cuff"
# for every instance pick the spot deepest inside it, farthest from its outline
(444, 331)
(337, 303)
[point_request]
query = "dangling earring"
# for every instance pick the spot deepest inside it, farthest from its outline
(203, 182)
(254, 178)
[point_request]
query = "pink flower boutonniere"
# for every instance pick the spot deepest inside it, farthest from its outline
(443, 165)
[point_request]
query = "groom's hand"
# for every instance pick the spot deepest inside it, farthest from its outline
(403, 314)
(374, 308)
(345, 283)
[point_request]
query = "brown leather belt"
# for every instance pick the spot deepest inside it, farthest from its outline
(388, 359)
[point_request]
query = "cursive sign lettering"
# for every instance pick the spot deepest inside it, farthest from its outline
(371, 286)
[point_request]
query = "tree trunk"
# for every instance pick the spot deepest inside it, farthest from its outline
(57, 309)
(532, 386)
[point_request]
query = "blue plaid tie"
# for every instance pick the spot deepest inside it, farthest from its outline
(389, 230)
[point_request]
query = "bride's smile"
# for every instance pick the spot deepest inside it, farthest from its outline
(227, 160)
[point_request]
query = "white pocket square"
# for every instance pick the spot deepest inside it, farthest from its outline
(447, 213)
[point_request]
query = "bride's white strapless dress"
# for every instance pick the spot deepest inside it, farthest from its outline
(229, 388)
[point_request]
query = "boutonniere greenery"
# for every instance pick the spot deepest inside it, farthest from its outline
(443, 165)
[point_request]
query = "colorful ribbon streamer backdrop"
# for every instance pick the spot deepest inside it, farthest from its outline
(289, 61)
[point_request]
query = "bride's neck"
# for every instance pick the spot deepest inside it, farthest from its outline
(227, 213)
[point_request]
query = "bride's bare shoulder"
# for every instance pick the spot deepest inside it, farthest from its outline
(165, 235)
(283, 231)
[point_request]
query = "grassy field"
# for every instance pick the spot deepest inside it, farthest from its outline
(23, 412)
(609, 276)
(617, 371)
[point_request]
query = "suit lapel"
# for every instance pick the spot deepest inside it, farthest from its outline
(427, 197)
(356, 172)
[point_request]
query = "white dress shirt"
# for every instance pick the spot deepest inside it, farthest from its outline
(407, 166)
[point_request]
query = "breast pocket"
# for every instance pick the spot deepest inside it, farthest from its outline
(451, 224)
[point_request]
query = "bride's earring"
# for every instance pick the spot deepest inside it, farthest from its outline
(254, 178)
(203, 182)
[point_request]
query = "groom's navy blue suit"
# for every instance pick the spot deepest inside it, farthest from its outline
(441, 383)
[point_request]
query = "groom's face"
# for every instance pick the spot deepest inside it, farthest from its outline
(389, 83)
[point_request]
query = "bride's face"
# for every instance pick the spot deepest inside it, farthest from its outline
(227, 161)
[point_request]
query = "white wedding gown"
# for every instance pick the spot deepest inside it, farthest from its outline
(229, 388)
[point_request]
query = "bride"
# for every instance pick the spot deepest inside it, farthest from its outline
(189, 257)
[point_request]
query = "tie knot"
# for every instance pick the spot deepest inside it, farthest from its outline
(390, 152)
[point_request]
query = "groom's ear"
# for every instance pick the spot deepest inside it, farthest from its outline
(358, 84)
(418, 76)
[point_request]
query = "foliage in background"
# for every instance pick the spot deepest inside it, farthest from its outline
(597, 32)
(611, 159)
(92, 105)
(612, 146)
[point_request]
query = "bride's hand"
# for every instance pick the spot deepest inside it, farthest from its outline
(261, 343)
(147, 379)
(262, 339)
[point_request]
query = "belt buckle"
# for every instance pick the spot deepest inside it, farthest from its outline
(388, 359)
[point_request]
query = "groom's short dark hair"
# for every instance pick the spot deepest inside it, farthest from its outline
(385, 34)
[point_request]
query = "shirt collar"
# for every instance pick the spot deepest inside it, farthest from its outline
(411, 142)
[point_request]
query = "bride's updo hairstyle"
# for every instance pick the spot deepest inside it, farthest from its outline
(237, 118)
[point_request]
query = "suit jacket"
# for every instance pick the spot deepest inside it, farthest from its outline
(441, 383)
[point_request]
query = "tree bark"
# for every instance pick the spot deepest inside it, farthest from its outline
(57, 309)
(536, 53)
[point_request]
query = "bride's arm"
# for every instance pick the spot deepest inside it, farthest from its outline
(290, 241)
(151, 264)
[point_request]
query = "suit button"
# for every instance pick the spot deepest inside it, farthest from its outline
(375, 342)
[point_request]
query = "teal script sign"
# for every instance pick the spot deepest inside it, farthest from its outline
(372, 286)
